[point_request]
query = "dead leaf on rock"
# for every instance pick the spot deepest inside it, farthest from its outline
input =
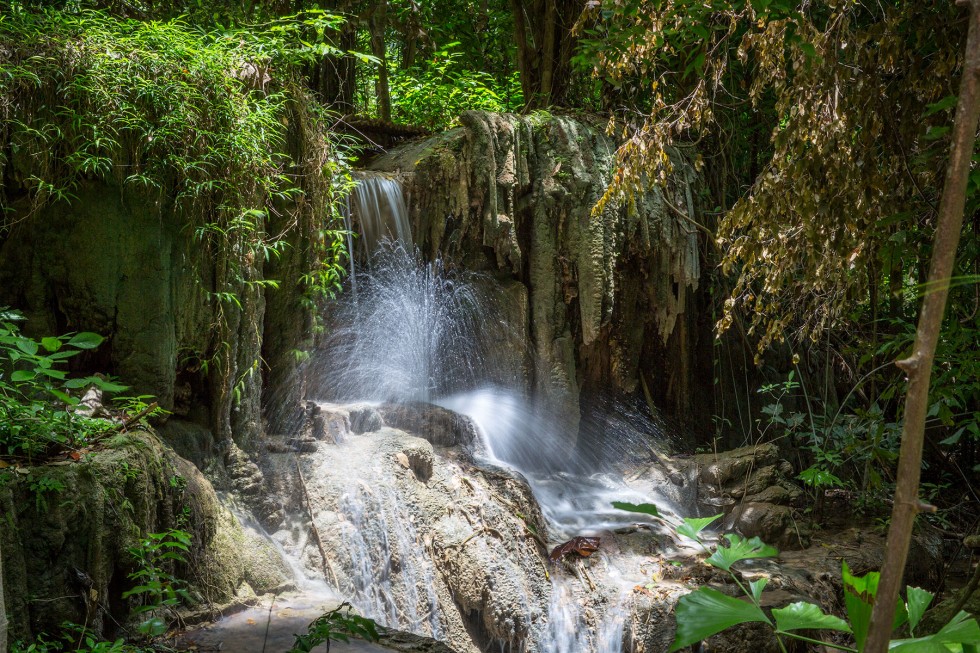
(402, 460)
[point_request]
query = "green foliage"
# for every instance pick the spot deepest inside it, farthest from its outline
(157, 588)
(156, 591)
(142, 406)
(707, 611)
(433, 96)
(75, 638)
(340, 624)
(740, 549)
(36, 416)
(41, 487)
(192, 119)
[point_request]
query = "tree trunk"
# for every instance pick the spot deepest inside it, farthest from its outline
(377, 24)
(542, 31)
(334, 78)
(919, 365)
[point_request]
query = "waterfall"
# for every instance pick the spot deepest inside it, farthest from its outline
(379, 208)
(414, 332)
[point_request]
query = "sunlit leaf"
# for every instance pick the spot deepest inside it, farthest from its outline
(706, 612)
(918, 602)
(692, 527)
(86, 340)
(739, 549)
(643, 508)
(804, 616)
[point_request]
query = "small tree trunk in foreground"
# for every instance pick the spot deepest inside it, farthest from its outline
(918, 366)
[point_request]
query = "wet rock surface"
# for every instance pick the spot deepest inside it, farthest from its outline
(273, 623)
(751, 486)
(426, 539)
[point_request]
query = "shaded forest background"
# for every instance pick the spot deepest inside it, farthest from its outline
(822, 130)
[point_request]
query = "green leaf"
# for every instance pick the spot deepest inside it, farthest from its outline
(859, 598)
(961, 629)
(86, 340)
(946, 103)
(692, 527)
(918, 602)
(72, 384)
(706, 612)
(739, 549)
(51, 344)
(644, 508)
(859, 593)
(756, 588)
(108, 386)
(20, 376)
(802, 615)
(27, 346)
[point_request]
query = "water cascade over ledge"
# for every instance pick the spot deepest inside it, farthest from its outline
(439, 483)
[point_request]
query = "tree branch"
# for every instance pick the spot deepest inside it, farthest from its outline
(918, 366)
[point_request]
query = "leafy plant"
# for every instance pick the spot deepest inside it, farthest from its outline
(340, 624)
(41, 487)
(76, 639)
(707, 611)
(36, 416)
(157, 588)
(433, 96)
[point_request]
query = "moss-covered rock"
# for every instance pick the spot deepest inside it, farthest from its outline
(68, 527)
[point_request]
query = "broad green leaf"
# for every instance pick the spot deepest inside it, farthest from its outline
(692, 527)
(739, 549)
(108, 386)
(86, 340)
(27, 346)
(51, 344)
(924, 645)
(22, 375)
(962, 629)
(918, 602)
(859, 593)
(859, 598)
(644, 508)
(802, 615)
(706, 612)
(68, 399)
(947, 102)
(77, 383)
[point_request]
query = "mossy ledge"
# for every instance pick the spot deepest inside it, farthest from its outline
(66, 550)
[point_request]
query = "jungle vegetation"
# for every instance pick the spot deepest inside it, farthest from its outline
(823, 127)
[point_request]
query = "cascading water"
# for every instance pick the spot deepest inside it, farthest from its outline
(416, 332)
(379, 208)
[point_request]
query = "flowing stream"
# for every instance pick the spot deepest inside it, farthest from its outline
(417, 332)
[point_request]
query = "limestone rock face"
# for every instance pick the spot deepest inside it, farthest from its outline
(69, 546)
(514, 195)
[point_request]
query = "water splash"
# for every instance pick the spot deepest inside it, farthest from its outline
(414, 332)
